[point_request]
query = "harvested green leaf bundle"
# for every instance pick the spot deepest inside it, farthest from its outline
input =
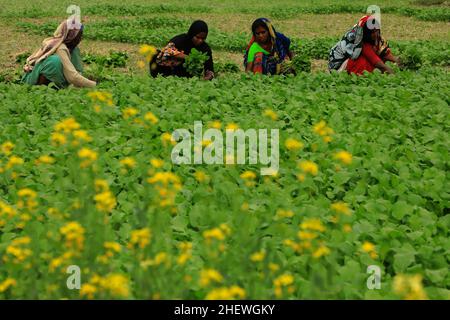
(194, 63)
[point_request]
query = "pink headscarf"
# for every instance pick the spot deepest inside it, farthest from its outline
(66, 32)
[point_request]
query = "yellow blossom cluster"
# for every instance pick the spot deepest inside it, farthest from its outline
(201, 176)
(283, 281)
(45, 159)
(281, 214)
(73, 234)
(185, 252)
(7, 213)
(409, 287)
(156, 163)
(7, 283)
(217, 233)
(312, 224)
(129, 112)
(159, 258)
(307, 167)
(208, 276)
(167, 139)
(101, 99)
(150, 117)
(87, 156)
(258, 256)
(167, 184)
(27, 199)
(232, 127)
(270, 114)
(17, 251)
(147, 121)
(139, 239)
(127, 163)
(216, 124)
(340, 208)
(324, 131)
(61, 261)
(293, 144)
(6, 149)
(249, 177)
(148, 52)
(65, 130)
(104, 198)
(310, 230)
(344, 157)
(114, 285)
(226, 293)
(370, 249)
(111, 248)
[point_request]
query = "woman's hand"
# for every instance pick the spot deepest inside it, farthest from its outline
(398, 61)
(181, 56)
(209, 75)
(384, 68)
(290, 55)
(249, 67)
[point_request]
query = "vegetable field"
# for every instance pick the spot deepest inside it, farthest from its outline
(87, 180)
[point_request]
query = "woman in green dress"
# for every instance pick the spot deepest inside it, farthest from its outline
(59, 59)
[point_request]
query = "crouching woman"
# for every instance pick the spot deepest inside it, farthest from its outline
(58, 60)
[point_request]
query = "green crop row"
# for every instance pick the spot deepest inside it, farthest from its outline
(157, 31)
(426, 14)
(77, 187)
(115, 59)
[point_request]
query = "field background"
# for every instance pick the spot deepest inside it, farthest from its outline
(86, 177)
(226, 16)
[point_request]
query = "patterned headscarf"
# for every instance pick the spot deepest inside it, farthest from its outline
(280, 45)
(350, 46)
(66, 32)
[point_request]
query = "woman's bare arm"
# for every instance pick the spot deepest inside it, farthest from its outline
(384, 68)
(249, 67)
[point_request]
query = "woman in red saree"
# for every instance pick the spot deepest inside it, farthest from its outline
(362, 49)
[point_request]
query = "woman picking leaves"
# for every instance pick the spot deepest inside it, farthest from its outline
(362, 49)
(268, 50)
(170, 60)
(59, 59)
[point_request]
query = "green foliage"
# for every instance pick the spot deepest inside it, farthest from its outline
(301, 63)
(411, 59)
(194, 63)
(115, 59)
(138, 10)
(21, 58)
(226, 67)
(396, 186)
(157, 31)
(441, 13)
(427, 2)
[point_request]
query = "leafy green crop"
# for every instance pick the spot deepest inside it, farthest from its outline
(301, 63)
(194, 63)
(387, 205)
(431, 52)
(86, 176)
(226, 67)
(411, 59)
(115, 59)
(441, 13)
